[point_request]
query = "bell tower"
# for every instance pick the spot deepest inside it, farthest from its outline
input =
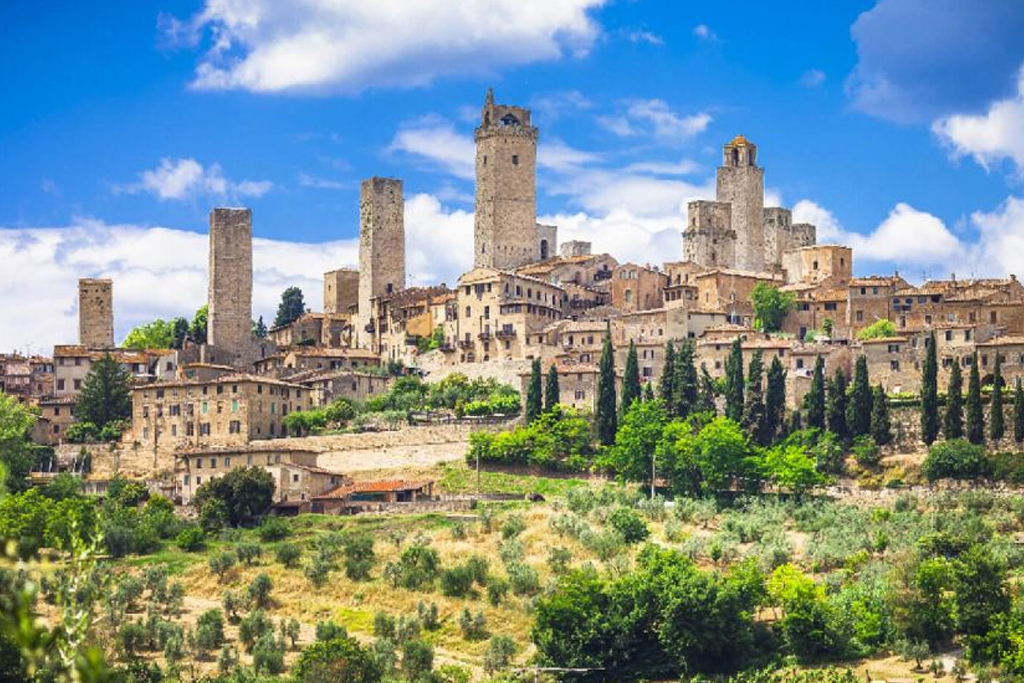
(505, 234)
(741, 184)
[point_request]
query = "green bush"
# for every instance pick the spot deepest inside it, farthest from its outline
(629, 525)
(416, 568)
(288, 554)
(956, 459)
(457, 581)
(865, 451)
(273, 529)
(190, 539)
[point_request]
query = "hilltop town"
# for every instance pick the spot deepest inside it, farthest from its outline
(526, 297)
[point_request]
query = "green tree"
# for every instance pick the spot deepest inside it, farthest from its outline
(953, 419)
(835, 406)
(106, 393)
(337, 659)
(753, 409)
(790, 467)
(534, 399)
(771, 306)
(734, 382)
(291, 307)
(630, 379)
(858, 410)
(880, 329)
(636, 440)
(242, 494)
(930, 392)
(179, 333)
(16, 459)
(814, 399)
(774, 402)
(648, 391)
(982, 595)
(606, 418)
(665, 388)
(259, 328)
(881, 423)
(158, 334)
(975, 413)
(551, 390)
(684, 382)
(1018, 412)
(996, 419)
(706, 395)
(197, 329)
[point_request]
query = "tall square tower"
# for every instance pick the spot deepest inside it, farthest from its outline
(506, 235)
(96, 313)
(381, 243)
(341, 290)
(741, 184)
(229, 326)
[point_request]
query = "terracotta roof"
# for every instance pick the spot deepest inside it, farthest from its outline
(739, 141)
(223, 379)
(324, 352)
(884, 340)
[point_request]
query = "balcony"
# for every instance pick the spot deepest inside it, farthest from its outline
(446, 347)
(485, 336)
(465, 343)
(505, 333)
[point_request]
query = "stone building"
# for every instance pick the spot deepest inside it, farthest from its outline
(577, 382)
(56, 414)
(825, 264)
(381, 246)
(288, 362)
(506, 233)
(402, 320)
(341, 291)
(736, 231)
(96, 313)
(230, 410)
(637, 288)
(729, 291)
(229, 325)
(28, 379)
(326, 386)
(574, 248)
(71, 363)
(294, 471)
(331, 330)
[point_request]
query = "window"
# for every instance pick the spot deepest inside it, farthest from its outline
(295, 478)
(234, 405)
(235, 427)
(204, 429)
(894, 348)
(580, 395)
(799, 363)
(830, 305)
(205, 407)
(60, 385)
(189, 429)
(949, 335)
(993, 317)
(860, 316)
(894, 365)
(199, 463)
(78, 384)
(515, 159)
(213, 463)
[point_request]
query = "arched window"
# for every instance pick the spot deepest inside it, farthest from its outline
(509, 120)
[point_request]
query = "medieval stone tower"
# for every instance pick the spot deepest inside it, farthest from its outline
(381, 243)
(709, 239)
(741, 184)
(229, 326)
(96, 313)
(506, 234)
(341, 291)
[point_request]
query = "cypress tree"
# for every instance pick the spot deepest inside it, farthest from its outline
(858, 408)
(753, 408)
(606, 418)
(835, 406)
(881, 425)
(996, 420)
(734, 382)
(814, 399)
(106, 394)
(975, 414)
(1018, 412)
(552, 395)
(953, 420)
(534, 400)
(684, 382)
(929, 392)
(648, 391)
(706, 398)
(630, 380)
(667, 374)
(774, 402)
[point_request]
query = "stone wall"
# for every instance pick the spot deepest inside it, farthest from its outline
(96, 313)
(229, 328)
(574, 248)
(741, 184)
(709, 239)
(341, 290)
(381, 244)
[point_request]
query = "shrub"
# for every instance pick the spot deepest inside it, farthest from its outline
(523, 579)
(273, 529)
(220, 564)
(473, 626)
(288, 554)
(500, 651)
(629, 525)
(427, 614)
(416, 568)
(956, 459)
(417, 660)
(513, 526)
(259, 590)
(359, 557)
(336, 659)
(248, 553)
(329, 630)
(865, 451)
(319, 571)
(268, 655)
(209, 634)
(190, 539)
(456, 582)
(880, 329)
(497, 589)
(253, 627)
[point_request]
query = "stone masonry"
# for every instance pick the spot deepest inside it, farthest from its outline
(96, 313)
(229, 326)
(341, 290)
(381, 244)
(506, 188)
(740, 182)
(574, 248)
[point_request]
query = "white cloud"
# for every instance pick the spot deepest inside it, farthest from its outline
(907, 238)
(642, 36)
(162, 272)
(991, 137)
(315, 182)
(348, 45)
(681, 167)
(812, 78)
(624, 235)
(654, 117)
(1001, 238)
(179, 179)
(704, 32)
(438, 142)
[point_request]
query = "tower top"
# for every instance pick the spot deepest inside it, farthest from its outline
(505, 119)
(739, 152)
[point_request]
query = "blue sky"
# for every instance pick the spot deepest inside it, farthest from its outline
(126, 122)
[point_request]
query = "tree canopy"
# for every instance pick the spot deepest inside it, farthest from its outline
(291, 307)
(771, 306)
(106, 395)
